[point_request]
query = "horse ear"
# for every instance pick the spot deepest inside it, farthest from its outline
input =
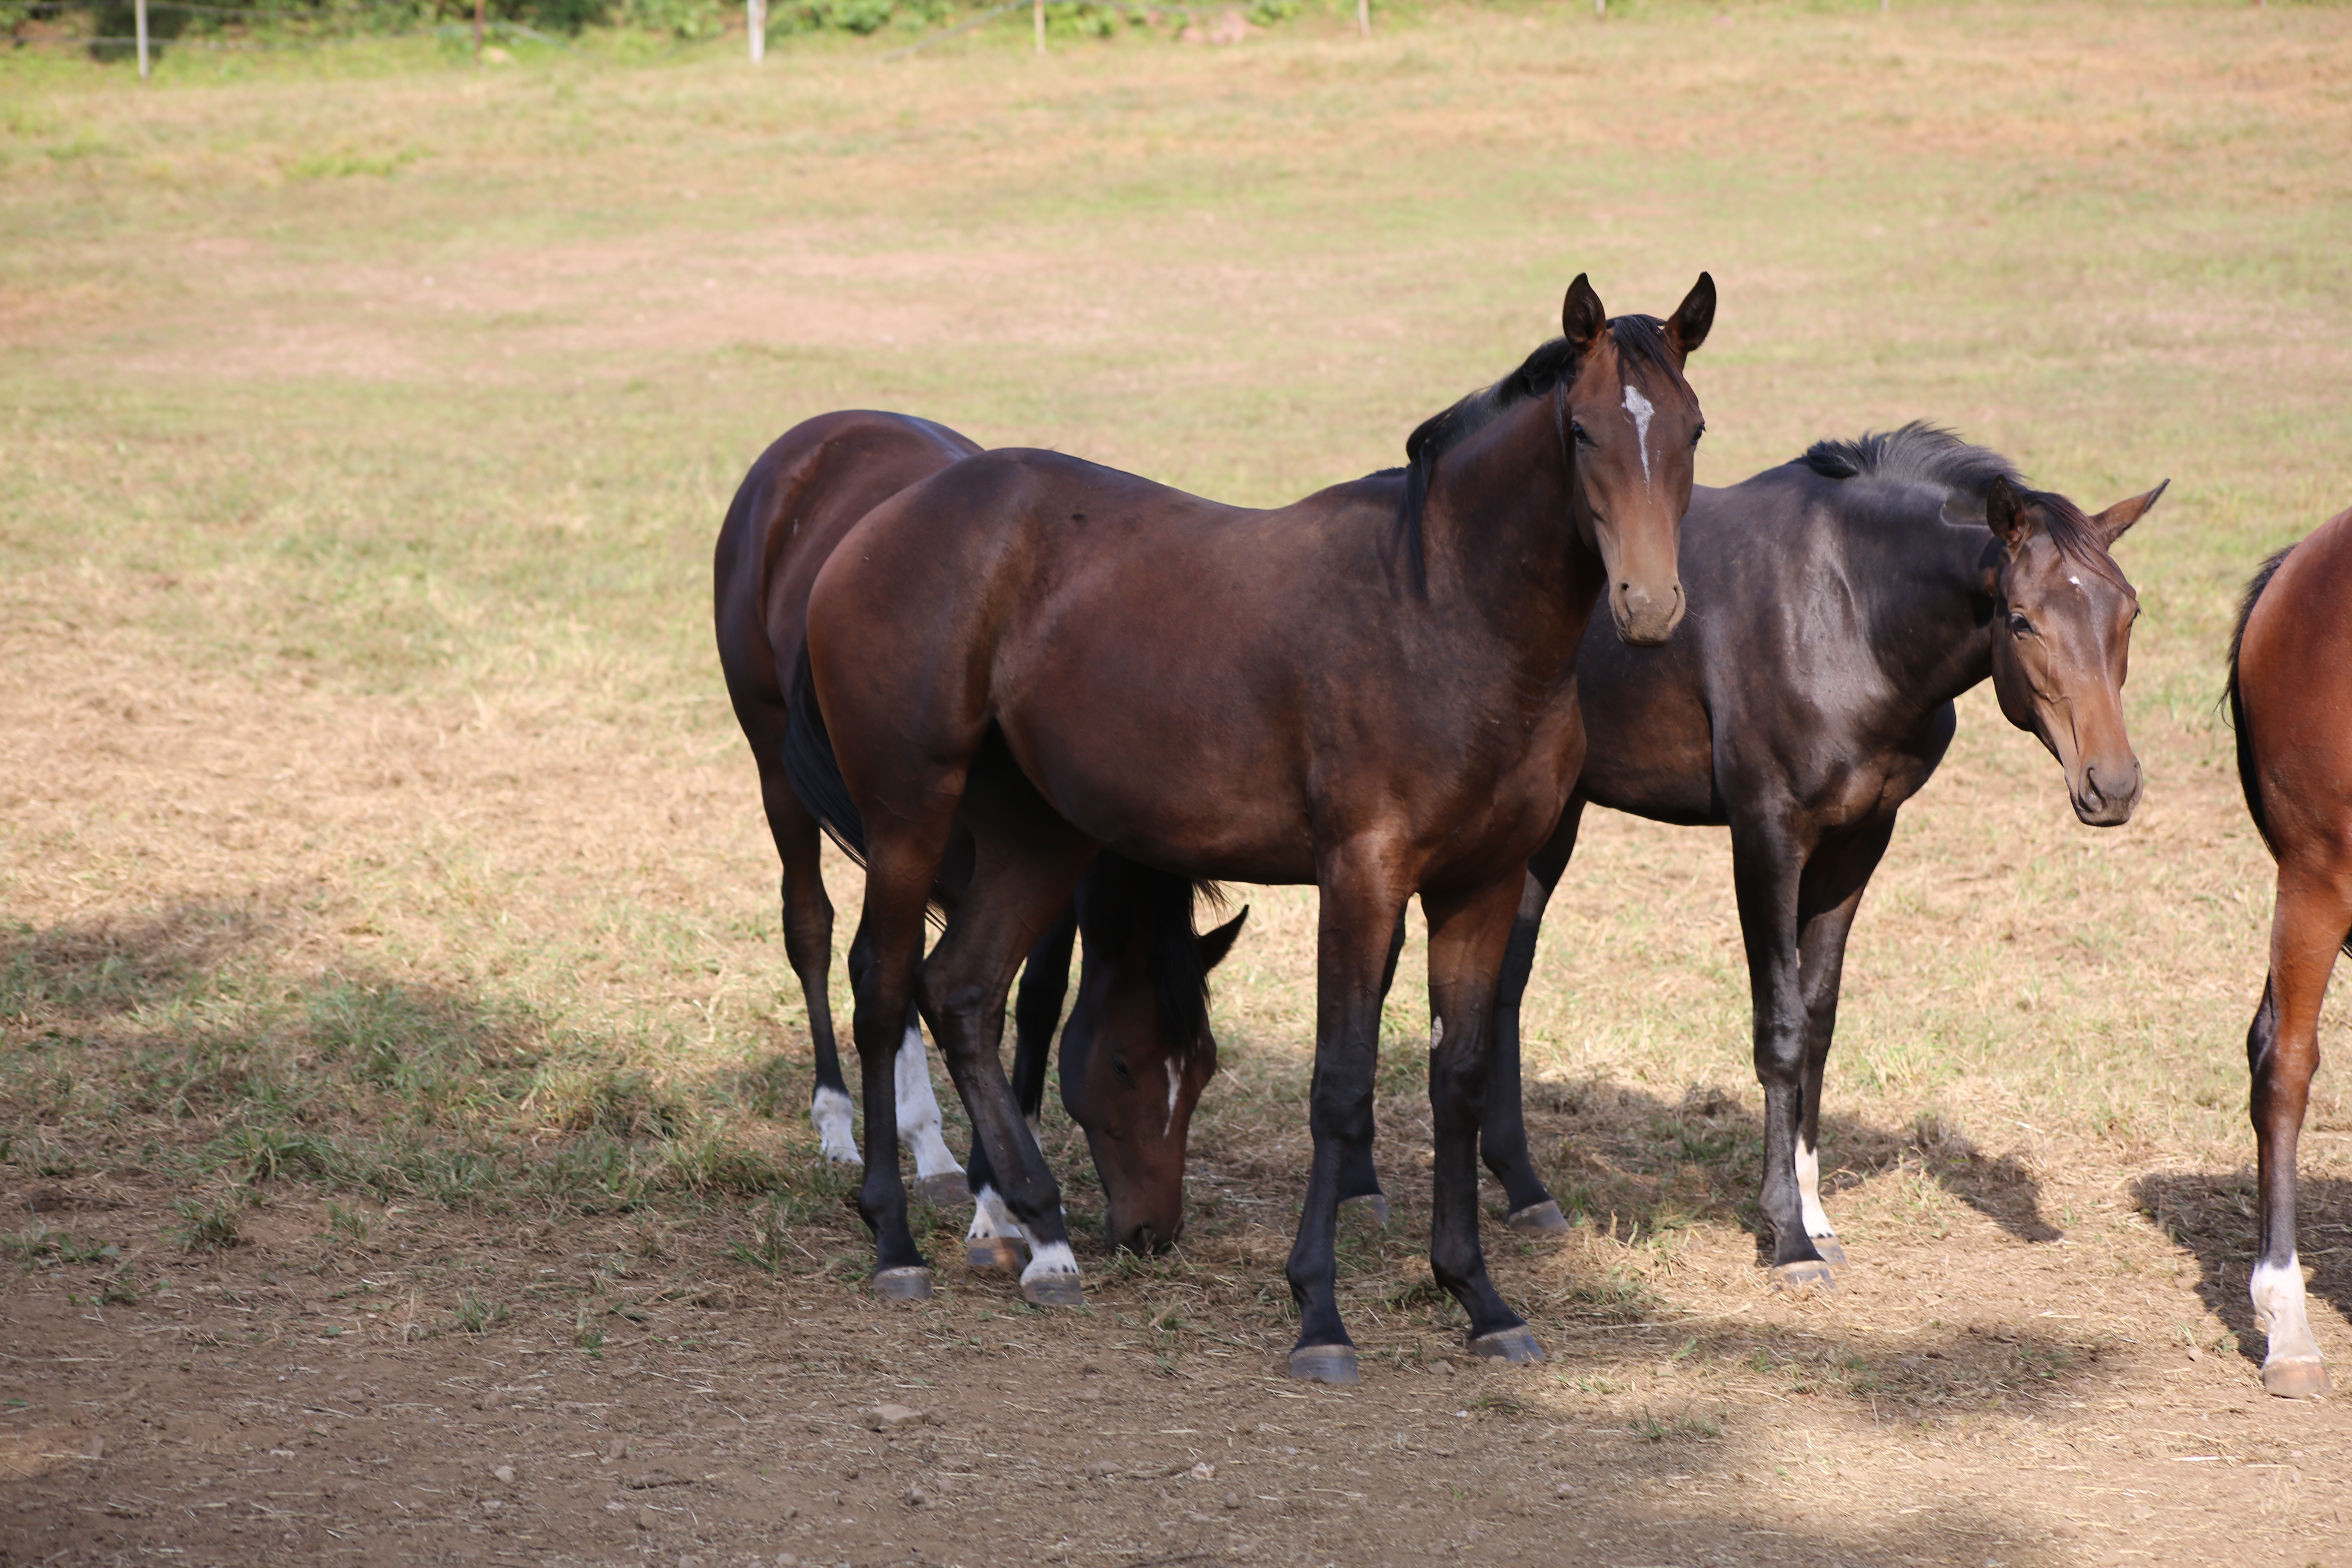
(1692, 318)
(2005, 514)
(1215, 944)
(2112, 523)
(1581, 317)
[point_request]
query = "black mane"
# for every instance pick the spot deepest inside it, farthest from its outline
(1638, 338)
(1931, 454)
(1130, 912)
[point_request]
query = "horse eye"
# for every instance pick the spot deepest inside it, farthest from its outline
(1696, 434)
(2019, 625)
(1576, 428)
(1119, 1067)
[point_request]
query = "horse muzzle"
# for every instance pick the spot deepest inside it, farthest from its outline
(2106, 796)
(1646, 617)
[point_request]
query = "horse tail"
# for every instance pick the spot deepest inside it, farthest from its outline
(2248, 780)
(815, 772)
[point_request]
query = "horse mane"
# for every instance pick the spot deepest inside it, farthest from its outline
(1929, 454)
(1128, 912)
(1640, 338)
(2248, 780)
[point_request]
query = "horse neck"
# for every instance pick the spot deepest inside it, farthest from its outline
(1926, 627)
(1500, 537)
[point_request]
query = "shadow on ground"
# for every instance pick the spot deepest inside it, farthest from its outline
(2213, 1215)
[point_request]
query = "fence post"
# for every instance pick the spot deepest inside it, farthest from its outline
(755, 15)
(1363, 18)
(477, 32)
(140, 9)
(1037, 13)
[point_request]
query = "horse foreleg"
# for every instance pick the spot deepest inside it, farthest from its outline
(2282, 1052)
(1468, 938)
(1828, 897)
(1359, 1180)
(1502, 1137)
(1765, 869)
(938, 1176)
(1363, 896)
(994, 1241)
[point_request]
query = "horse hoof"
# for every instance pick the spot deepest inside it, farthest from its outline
(1827, 1246)
(1054, 1290)
(1508, 1344)
(995, 1252)
(2295, 1379)
(903, 1284)
(1538, 1219)
(1806, 1276)
(1326, 1363)
(944, 1190)
(1375, 1204)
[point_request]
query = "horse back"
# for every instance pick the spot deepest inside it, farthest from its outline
(798, 500)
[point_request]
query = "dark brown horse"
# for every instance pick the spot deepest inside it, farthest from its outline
(1143, 961)
(1852, 594)
(2291, 699)
(1371, 690)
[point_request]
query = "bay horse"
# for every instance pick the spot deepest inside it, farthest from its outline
(1371, 690)
(1143, 958)
(2291, 702)
(1853, 594)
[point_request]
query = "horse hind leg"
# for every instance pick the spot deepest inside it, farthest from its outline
(2283, 1054)
(808, 947)
(1829, 896)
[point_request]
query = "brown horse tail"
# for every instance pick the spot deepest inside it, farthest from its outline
(2248, 779)
(815, 773)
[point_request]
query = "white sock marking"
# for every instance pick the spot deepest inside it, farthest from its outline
(2277, 1291)
(1639, 407)
(1809, 1189)
(1053, 1257)
(830, 1112)
(989, 1218)
(918, 1109)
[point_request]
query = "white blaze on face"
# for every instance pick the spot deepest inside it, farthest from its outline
(918, 1109)
(1639, 407)
(1175, 1085)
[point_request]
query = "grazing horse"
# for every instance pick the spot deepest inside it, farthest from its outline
(2291, 700)
(798, 500)
(1852, 594)
(1371, 690)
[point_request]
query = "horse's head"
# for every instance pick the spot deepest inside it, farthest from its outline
(1631, 424)
(2063, 613)
(1135, 1055)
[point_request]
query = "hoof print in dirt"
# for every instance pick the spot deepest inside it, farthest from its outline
(1334, 1364)
(2295, 1379)
(891, 1417)
(1508, 1344)
(1806, 1276)
(1054, 1290)
(1538, 1219)
(903, 1284)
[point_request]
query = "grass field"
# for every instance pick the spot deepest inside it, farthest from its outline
(390, 990)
